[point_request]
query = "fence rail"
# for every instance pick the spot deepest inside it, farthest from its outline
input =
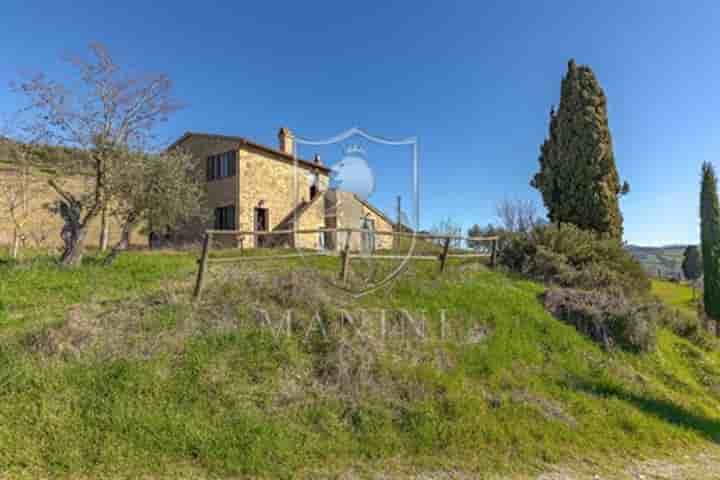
(422, 236)
(344, 254)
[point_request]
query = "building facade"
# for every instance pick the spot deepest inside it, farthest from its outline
(253, 187)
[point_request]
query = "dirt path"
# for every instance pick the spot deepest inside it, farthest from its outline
(689, 467)
(696, 466)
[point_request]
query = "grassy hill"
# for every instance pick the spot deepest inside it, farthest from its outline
(114, 372)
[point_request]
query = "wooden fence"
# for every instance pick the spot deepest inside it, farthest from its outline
(345, 254)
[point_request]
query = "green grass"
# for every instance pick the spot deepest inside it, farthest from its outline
(172, 389)
(39, 291)
(675, 294)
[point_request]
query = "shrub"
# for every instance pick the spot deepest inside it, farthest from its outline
(687, 325)
(608, 319)
(570, 257)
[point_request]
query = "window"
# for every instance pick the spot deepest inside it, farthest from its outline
(322, 238)
(314, 185)
(225, 218)
(222, 165)
(368, 235)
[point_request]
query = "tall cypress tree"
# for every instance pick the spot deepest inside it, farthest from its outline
(578, 179)
(710, 241)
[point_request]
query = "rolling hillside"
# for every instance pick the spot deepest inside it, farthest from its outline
(666, 260)
(115, 373)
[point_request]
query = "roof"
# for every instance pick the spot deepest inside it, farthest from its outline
(378, 212)
(241, 141)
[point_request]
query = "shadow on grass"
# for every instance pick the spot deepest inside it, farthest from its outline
(663, 409)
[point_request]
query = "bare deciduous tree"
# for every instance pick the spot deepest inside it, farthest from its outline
(518, 216)
(106, 116)
(448, 227)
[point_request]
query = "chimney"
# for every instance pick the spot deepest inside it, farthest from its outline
(286, 140)
(317, 159)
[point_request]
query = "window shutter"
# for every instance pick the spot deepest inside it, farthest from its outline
(231, 220)
(217, 225)
(208, 168)
(233, 163)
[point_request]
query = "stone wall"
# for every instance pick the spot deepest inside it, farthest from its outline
(268, 181)
(312, 218)
(220, 193)
(382, 242)
(44, 227)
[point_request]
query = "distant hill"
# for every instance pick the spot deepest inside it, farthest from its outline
(663, 261)
(50, 158)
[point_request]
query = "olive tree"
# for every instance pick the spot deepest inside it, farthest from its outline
(106, 115)
(155, 189)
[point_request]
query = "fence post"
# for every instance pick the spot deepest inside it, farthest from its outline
(202, 265)
(493, 253)
(345, 259)
(443, 257)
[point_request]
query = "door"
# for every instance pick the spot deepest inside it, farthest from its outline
(261, 225)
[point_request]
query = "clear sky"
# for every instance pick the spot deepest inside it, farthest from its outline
(474, 81)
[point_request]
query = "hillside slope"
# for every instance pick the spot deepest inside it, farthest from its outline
(114, 372)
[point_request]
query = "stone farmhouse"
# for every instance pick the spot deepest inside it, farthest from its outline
(251, 187)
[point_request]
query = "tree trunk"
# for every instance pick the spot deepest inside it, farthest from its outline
(104, 230)
(75, 227)
(74, 240)
(125, 236)
(15, 244)
(123, 244)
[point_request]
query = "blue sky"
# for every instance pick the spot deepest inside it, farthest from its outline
(474, 81)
